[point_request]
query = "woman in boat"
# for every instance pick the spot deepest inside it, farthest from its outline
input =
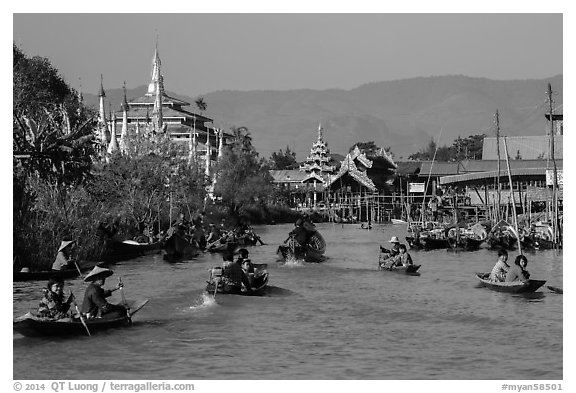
(52, 304)
(63, 259)
(518, 271)
(395, 250)
(501, 268)
(95, 304)
(232, 273)
(403, 258)
(214, 234)
(243, 255)
(248, 275)
(301, 235)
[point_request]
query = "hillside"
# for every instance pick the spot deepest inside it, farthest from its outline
(403, 114)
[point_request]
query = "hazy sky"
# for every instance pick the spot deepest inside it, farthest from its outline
(206, 52)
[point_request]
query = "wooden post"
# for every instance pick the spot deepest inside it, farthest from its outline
(498, 187)
(513, 202)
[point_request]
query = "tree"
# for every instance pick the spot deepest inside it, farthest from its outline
(241, 178)
(283, 159)
(242, 138)
(201, 104)
(50, 125)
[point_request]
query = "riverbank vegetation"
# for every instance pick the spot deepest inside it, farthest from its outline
(65, 187)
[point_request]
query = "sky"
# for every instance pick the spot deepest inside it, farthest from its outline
(202, 53)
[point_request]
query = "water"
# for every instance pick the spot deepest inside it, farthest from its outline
(341, 319)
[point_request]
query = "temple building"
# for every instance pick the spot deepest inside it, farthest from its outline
(317, 165)
(157, 112)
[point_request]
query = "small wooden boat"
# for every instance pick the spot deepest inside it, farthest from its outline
(398, 221)
(312, 252)
(179, 248)
(45, 275)
(260, 282)
(30, 325)
(511, 287)
(116, 251)
(410, 269)
(555, 289)
(434, 243)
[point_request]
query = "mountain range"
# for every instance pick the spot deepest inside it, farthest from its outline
(402, 114)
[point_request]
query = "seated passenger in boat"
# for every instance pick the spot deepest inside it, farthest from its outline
(95, 304)
(214, 234)
(301, 235)
(248, 275)
(403, 258)
(395, 247)
(64, 256)
(232, 273)
(501, 267)
(517, 271)
(243, 255)
(52, 304)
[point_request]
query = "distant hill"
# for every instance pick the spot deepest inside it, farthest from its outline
(402, 114)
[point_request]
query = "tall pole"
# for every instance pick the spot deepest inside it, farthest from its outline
(513, 201)
(555, 170)
(497, 120)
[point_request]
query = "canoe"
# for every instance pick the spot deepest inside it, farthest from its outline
(397, 221)
(466, 243)
(410, 269)
(260, 282)
(555, 289)
(178, 248)
(117, 251)
(510, 287)
(431, 243)
(313, 251)
(30, 325)
(45, 275)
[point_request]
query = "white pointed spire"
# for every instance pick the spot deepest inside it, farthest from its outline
(320, 132)
(208, 150)
(221, 144)
(124, 132)
(113, 146)
(155, 75)
(102, 124)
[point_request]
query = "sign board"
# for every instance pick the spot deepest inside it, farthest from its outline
(550, 177)
(416, 187)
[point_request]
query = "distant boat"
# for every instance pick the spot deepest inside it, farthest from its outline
(398, 221)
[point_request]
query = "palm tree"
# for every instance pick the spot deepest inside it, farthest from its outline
(201, 104)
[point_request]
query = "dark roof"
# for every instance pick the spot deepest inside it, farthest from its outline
(404, 168)
(429, 168)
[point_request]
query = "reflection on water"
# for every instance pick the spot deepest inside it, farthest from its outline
(340, 319)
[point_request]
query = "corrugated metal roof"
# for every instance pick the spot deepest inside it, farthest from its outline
(492, 175)
(288, 176)
(528, 147)
(491, 165)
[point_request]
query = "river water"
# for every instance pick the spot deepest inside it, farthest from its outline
(340, 319)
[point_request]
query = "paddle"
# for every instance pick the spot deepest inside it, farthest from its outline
(80, 314)
(259, 239)
(78, 268)
(124, 299)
